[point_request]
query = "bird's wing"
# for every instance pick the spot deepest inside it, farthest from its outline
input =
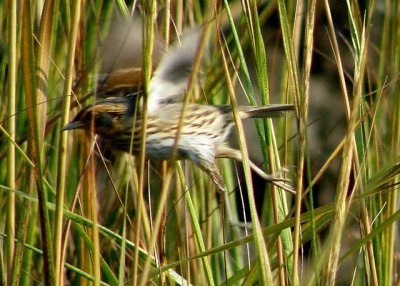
(170, 79)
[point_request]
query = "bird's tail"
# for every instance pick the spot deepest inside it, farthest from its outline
(274, 110)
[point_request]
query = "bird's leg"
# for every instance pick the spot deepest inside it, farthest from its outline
(227, 152)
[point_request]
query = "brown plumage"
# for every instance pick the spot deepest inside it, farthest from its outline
(202, 138)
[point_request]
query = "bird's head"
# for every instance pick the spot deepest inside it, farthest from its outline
(105, 117)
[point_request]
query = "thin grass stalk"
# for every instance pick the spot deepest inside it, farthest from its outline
(158, 243)
(393, 202)
(179, 16)
(69, 74)
(29, 79)
(391, 235)
(85, 250)
(12, 81)
(93, 259)
(181, 233)
(377, 121)
(133, 175)
(297, 16)
(25, 232)
(363, 166)
(232, 211)
(21, 236)
(122, 259)
(279, 203)
(195, 222)
(96, 260)
(345, 97)
(388, 270)
(170, 169)
(384, 44)
(27, 261)
(307, 56)
(148, 22)
(192, 78)
(167, 16)
(67, 227)
(394, 35)
(240, 256)
(265, 269)
(281, 210)
(349, 157)
(369, 247)
(338, 58)
(43, 63)
(123, 8)
(84, 190)
(301, 104)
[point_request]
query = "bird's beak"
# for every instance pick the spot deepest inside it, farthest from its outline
(72, 125)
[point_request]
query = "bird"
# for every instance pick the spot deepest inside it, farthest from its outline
(203, 136)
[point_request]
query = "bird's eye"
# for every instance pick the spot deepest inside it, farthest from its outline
(104, 120)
